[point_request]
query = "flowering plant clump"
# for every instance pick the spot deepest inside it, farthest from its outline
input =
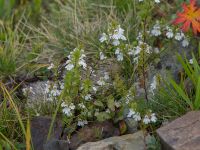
(83, 99)
(190, 17)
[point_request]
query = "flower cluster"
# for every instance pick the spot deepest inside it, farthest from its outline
(156, 31)
(169, 33)
(150, 118)
(114, 37)
(147, 119)
(135, 51)
(53, 90)
(68, 109)
(76, 57)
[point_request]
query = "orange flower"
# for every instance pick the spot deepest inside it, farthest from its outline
(189, 17)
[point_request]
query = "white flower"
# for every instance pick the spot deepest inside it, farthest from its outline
(69, 67)
(153, 85)
(51, 66)
(101, 82)
(103, 38)
(156, 30)
(130, 113)
(128, 98)
(157, 1)
(118, 34)
(63, 104)
(55, 91)
(137, 50)
(119, 54)
(81, 105)
(106, 76)
(116, 42)
(88, 97)
(72, 106)
(94, 89)
(146, 120)
(117, 51)
(108, 111)
(169, 33)
(67, 111)
(153, 117)
(139, 37)
(185, 42)
(179, 36)
(191, 61)
(137, 116)
(82, 123)
(141, 0)
(120, 57)
(131, 52)
(82, 63)
(102, 56)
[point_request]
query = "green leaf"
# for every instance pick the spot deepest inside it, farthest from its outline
(180, 91)
(102, 116)
(186, 66)
(98, 103)
(197, 98)
(111, 103)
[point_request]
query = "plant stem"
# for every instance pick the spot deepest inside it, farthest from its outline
(143, 63)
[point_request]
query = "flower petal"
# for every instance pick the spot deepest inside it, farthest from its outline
(186, 26)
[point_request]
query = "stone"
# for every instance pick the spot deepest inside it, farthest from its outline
(37, 94)
(182, 133)
(55, 144)
(40, 128)
(93, 132)
(132, 125)
(126, 142)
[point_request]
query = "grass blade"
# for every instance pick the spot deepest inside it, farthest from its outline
(197, 98)
(181, 93)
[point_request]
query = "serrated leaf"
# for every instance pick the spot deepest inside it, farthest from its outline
(102, 116)
(111, 103)
(98, 103)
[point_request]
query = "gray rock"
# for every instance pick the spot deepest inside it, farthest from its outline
(126, 142)
(36, 95)
(40, 128)
(182, 133)
(132, 125)
(93, 132)
(56, 145)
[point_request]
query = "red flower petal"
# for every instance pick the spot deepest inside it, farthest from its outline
(179, 20)
(186, 26)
